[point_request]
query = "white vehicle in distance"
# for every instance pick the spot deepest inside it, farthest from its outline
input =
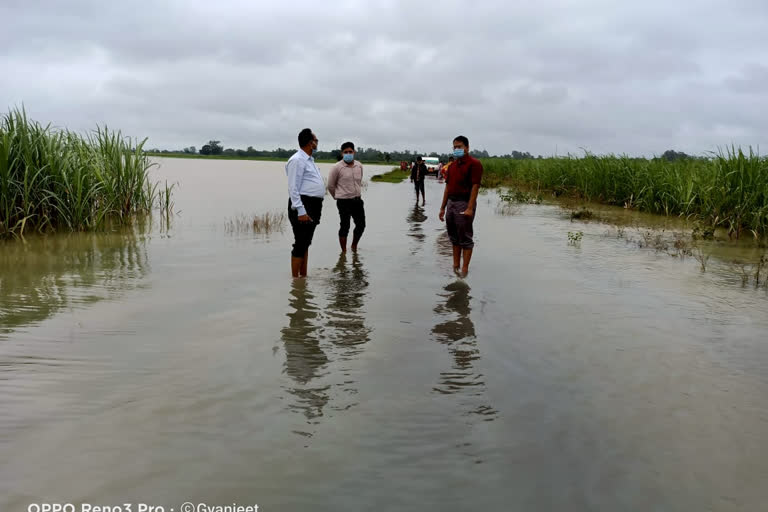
(432, 163)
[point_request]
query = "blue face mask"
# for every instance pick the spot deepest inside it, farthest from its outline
(458, 153)
(349, 157)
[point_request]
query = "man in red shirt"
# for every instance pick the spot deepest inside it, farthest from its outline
(459, 201)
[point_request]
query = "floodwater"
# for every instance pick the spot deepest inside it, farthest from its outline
(182, 364)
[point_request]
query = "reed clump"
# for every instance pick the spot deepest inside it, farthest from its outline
(263, 224)
(728, 189)
(57, 180)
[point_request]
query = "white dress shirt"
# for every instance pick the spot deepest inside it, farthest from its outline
(304, 178)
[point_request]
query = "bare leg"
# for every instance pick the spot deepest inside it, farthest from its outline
(355, 240)
(456, 258)
(295, 266)
(343, 244)
(467, 259)
(304, 260)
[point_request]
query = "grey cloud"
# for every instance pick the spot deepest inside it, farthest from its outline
(637, 78)
(751, 80)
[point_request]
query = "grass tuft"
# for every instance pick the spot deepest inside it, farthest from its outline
(396, 175)
(263, 224)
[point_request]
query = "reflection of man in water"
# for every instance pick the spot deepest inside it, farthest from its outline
(459, 201)
(304, 359)
(415, 218)
(458, 334)
(457, 300)
(345, 308)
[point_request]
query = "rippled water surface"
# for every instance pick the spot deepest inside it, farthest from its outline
(182, 363)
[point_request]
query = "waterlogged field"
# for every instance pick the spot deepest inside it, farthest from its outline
(729, 190)
(582, 364)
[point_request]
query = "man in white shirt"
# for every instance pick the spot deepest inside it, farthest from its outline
(345, 185)
(306, 190)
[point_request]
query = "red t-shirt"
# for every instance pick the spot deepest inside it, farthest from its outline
(464, 173)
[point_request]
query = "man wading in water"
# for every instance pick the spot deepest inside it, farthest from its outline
(418, 173)
(306, 191)
(459, 201)
(345, 184)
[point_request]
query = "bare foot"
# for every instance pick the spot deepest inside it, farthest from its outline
(464, 272)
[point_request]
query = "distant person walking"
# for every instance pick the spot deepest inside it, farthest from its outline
(306, 191)
(444, 170)
(462, 185)
(418, 173)
(345, 185)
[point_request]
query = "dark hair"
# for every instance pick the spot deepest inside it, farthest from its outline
(418, 159)
(450, 158)
(305, 137)
(462, 139)
(347, 145)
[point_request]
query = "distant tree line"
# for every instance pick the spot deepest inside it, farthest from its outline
(214, 147)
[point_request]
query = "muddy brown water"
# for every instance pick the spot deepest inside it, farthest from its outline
(181, 363)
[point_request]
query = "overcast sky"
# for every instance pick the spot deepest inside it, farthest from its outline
(545, 76)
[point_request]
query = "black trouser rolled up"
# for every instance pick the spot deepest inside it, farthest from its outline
(459, 226)
(354, 209)
(419, 184)
(304, 231)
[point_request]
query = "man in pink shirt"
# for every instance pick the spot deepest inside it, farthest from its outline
(345, 184)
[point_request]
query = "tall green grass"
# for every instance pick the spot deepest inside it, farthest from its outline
(396, 175)
(57, 180)
(728, 190)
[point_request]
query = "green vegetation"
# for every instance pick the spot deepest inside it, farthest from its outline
(728, 190)
(263, 224)
(365, 155)
(229, 156)
(58, 180)
(396, 175)
(574, 238)
(520, 196)
(214, 157)
(583, 214)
